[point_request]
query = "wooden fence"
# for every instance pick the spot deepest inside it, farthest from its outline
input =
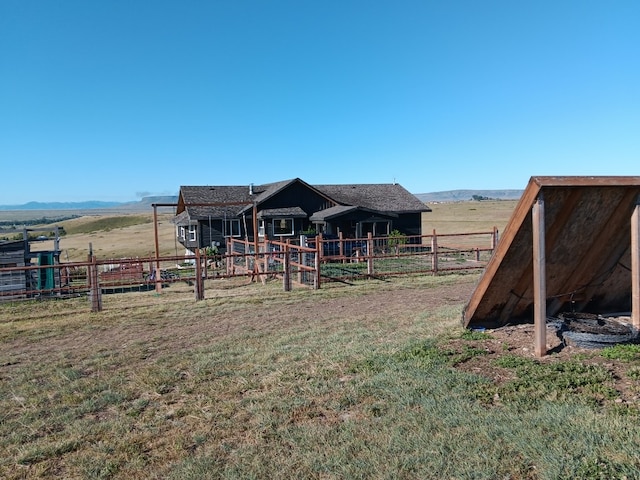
(307, 261)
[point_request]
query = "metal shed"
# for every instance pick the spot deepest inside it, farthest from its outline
(12, 283)
(571, 244)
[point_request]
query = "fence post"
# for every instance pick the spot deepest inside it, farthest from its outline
(247, 249)
(434, 253)
(268, 248)
(229, 257)
(199, 282)
(319, 244)
(370, 254)
(494, 239)
(95, 292)
(316, 259)
(302, 260)
(341, 246)
(155, 230)
(286, 274)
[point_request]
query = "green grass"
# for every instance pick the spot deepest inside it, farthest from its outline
(627, 353)
(169, 388)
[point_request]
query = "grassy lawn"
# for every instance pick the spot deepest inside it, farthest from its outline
(362, 381)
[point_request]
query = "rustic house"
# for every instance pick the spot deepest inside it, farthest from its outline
(208, 215)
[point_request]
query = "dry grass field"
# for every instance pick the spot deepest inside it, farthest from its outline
(466, 217)
(375, 379)
(111, 237)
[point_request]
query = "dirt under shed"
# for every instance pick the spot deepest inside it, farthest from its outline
(571, 245)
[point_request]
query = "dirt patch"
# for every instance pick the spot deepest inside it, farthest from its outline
(167, 324)
(175, 325)
(519, 340)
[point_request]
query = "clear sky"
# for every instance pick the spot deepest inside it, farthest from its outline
(113, 100)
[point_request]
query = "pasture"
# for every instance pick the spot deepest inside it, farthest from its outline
(372, 380)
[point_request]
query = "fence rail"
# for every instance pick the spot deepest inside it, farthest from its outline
(308, 261)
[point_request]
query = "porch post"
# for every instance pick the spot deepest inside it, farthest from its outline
(539, 279)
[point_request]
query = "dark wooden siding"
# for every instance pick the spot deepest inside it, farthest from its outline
(408, 223)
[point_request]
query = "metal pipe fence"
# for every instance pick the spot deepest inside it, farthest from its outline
(307, 262)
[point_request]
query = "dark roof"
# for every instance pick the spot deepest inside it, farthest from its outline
(329, 213)
(192, 199)
(11, 245)
(282, 212)
(587, 221)
(389, 197)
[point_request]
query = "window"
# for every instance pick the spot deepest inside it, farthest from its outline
(192, 233)
(232, 228)
(182, 233)
(283, 226)
(261, 228)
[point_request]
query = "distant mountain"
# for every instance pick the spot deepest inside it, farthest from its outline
(89, 205)
(467, 195)
(145, 203)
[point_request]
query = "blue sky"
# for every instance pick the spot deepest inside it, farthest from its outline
(113, 100)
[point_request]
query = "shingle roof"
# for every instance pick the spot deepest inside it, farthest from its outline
(191, 196)
(390, 197)
(282, 212)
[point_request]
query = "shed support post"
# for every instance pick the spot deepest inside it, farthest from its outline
(635, 266)
(539, 279)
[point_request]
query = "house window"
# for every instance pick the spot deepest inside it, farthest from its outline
(182, 233)
(283, 226)
(261, 228)
(192, 233)
(232, 228)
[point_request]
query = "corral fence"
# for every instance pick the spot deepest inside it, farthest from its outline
(308, 261)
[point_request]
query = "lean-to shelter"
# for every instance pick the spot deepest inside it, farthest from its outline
(570, 245)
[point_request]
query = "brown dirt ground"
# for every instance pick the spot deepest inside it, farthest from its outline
(198, 329)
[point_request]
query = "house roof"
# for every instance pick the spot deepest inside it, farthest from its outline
(201, 202)
(329, 213)
(587, 221)
(282, 212)
(265, 192)
(388, 197)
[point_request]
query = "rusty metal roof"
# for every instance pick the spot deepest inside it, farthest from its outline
(587, 221)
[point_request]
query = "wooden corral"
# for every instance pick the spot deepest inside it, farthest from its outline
(124, 273)
(573, 241)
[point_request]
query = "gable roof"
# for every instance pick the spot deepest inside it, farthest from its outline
(587, 221)
(265, 192)
(197, 200)
(388, 198)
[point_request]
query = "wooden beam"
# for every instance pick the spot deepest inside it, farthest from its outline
(539, 279)
(635, 266)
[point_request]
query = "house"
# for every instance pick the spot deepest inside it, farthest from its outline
(208, 215)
